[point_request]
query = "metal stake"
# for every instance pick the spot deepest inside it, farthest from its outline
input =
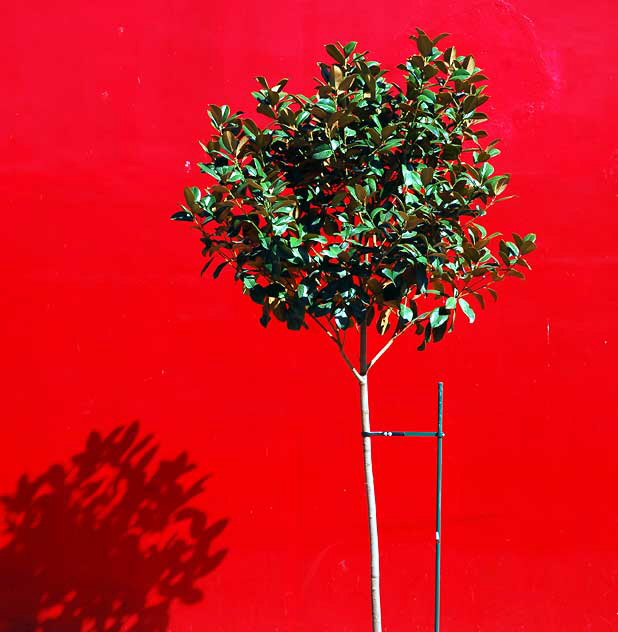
(438, 509)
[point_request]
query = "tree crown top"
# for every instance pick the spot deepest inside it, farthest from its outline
(359, 203)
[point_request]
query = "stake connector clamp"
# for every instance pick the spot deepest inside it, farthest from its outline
(396, 433)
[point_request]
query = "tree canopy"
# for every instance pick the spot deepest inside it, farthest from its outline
(359, 203)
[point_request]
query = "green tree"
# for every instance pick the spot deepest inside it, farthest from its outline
(358, 206)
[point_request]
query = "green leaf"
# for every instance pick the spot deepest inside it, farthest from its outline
(527, 247)
(499, 184)
(460, 74)
(437, 317)
(206, 266)
(391, 144)
(439, 37)
(405, 313)
(486, 170)
(410, 177)
(192, 195)
(426, 336)
(437, 333)
(424, 44)
(322, 152)
(218, 269)
(390, 274)
(382, 323)
(426, 175)
(265, 317)
(466, 309)
(302, 116)
(342, 320)
(449, 54)
(335, 53)
(451, 152)
(328, 105)
(480, 299)
(349, 47)
(182, 216)
(257, 293)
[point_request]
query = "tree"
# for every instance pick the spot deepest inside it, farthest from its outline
(359, 205)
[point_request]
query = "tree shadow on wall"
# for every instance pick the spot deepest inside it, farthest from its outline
(107, 544)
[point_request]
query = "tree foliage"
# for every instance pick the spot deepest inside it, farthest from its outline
(359, 203)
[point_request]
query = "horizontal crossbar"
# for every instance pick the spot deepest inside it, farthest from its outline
(402, 434)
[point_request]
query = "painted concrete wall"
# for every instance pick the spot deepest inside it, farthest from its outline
(106, 321)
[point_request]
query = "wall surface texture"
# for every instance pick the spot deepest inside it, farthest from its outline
(106, 321)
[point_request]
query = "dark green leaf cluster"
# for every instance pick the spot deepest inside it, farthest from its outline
(359, 203)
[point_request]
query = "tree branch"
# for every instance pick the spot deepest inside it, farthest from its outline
(347, 361)
(386, 347)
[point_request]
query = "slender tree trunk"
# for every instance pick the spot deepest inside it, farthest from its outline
(371, 497)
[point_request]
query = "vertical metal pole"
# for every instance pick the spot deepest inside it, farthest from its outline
(438, 510)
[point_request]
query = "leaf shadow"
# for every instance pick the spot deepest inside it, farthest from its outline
(106, 544)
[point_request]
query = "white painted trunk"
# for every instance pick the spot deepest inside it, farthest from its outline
(371, 497)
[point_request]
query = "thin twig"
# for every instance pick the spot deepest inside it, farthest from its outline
(336, 333)
(337, 341)
(484, 285)
(328, 333)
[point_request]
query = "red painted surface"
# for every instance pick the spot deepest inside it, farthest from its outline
(106, 320)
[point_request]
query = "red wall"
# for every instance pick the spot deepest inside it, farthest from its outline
(106, 321)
